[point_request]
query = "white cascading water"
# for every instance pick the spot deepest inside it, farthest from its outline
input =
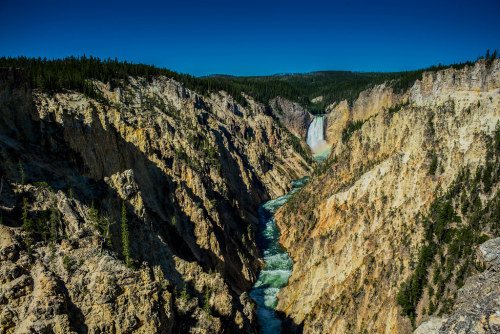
(315, 137)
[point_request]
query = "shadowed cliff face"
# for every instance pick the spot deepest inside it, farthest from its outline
(191, 171)
(292, 116)
(357, 228)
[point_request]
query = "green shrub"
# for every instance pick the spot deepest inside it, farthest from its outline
(394, 109)
(482, 239)
(434, 164)
(68, 264)
(350, 128)
(184, 293)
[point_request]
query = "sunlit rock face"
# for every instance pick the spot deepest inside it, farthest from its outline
(190, 172)
(369, 103)
(355, 230)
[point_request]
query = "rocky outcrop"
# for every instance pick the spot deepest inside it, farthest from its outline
(489, 254)
(185, 172)
(356, 229)
(476, 309)
(292, 116)
(369, 103)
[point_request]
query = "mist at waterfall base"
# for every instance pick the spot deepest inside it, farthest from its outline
(316, 139)
(278, 265)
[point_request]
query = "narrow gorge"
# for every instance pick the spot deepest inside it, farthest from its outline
(138, 200)
(185, 172)
(278, 265)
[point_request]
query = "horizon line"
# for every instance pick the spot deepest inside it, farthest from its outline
(278, 74)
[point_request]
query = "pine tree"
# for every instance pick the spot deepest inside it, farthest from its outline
(494, 55)
(27, 226)
(125, 236)
(184, 293)
(21, 173)
(206, 306)
(54, 217)
(432, 308)
(43, 229)
(94, 215)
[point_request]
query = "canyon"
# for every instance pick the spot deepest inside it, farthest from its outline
(190, 172)
(356, 230)
(236, 208)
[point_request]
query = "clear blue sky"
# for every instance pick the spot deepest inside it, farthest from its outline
(255, 37)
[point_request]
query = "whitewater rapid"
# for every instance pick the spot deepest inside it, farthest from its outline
(278, 265)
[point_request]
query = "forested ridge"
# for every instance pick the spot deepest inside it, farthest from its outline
(75, 73)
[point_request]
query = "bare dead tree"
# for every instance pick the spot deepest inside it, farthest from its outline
(106, 234)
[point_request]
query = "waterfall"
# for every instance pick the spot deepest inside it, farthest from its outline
(316, 138)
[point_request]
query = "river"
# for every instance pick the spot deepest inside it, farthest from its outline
(278, 265)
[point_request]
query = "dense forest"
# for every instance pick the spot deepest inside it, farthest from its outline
(74, 73)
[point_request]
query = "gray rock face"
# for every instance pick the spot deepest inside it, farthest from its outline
(432, 325)
(292, 116)
(477, 308)
(490, 252)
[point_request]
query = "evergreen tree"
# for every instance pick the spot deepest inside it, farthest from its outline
(28, 225)
(206, 306)
(94, 215)
(494, 55)
(125, 236)
(21, 173)
(43, 229)
(432, 308)
(54, 218)
(184, 293)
